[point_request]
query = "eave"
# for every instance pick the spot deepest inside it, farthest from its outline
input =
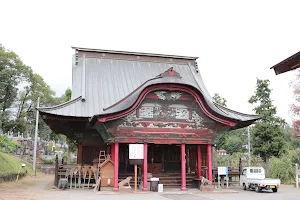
(290, 63)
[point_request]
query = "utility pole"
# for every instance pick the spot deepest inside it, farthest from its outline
(297, 176)
(249, 151)
(35, 136)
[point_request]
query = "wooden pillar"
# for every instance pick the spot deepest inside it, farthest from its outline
(199, 163)
(56, 171)
(209, 161)
(79, 154)
(145, 171)
(162, 158)
(112, 150)
(188, 160)
(116, 166)
(183, 170)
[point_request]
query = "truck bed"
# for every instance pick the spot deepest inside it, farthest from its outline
(265, 181)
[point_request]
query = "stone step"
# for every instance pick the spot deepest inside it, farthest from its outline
(176, 185)
(172, 175)
(169, 180)
(173, 181)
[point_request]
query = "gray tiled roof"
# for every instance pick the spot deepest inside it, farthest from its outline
(107, 81)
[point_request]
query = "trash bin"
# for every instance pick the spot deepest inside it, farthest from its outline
(154, 184)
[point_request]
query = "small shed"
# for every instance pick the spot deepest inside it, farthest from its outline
(107, 173)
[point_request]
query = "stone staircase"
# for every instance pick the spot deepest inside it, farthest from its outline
(169, 180)
(173, 180)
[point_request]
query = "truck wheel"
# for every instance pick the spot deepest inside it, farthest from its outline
(274, 189)
(257, 189)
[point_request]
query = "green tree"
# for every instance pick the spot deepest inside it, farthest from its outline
(12, 73)
(268, 137)
(20, 88)
(68, 95)
(231, 141)
(27, 101)
(219, 100)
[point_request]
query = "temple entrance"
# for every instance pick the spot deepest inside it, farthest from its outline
(163, 159)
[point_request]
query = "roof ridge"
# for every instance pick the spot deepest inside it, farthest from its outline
(135, 53)
(60, 105)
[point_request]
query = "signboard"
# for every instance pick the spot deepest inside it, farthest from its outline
(136, 151)
(222, 171)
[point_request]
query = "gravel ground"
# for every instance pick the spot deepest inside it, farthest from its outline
(39, 188)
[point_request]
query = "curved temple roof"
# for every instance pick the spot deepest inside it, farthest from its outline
(106, 82)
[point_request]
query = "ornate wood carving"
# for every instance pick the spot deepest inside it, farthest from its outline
(131, 134)
(164, 135)
(169, 73)
(165, 120)
(183, 135)
(145, 134)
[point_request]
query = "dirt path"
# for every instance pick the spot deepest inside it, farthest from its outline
(27, 188)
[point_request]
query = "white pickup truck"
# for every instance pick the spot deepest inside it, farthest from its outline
(254, 178)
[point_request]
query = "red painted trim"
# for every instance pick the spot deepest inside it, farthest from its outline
(183, 97)
(162, 121)
(172, 131)
(145, 181)
(164, 140)
(199, 161)
(168, 87)
(116, 167)
(209, 165)
(183, 170)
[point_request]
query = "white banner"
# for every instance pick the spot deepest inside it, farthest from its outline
(136, 151)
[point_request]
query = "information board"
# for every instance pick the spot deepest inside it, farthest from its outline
(222, 171)
(136, 151)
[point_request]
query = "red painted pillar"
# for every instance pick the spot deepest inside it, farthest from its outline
(199, 161)
(79, 154)
(112, 150)
(116, 169)
(209, 163)
(183, 171)
(145, 167)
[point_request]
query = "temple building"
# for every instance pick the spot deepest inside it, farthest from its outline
(288, 64)
(160, 101)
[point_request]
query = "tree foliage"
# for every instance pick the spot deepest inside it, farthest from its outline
(219, 100)
(20, 88)
(268, 137)
(12, 73)
(231, 141)
(295, 107)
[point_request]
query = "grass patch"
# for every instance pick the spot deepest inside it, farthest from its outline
(10, 166)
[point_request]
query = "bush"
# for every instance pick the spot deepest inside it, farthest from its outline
(283, 169)
(48, 161)
(10, 166)
(10, 144)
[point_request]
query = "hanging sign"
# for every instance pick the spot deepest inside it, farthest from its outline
(136, 151)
